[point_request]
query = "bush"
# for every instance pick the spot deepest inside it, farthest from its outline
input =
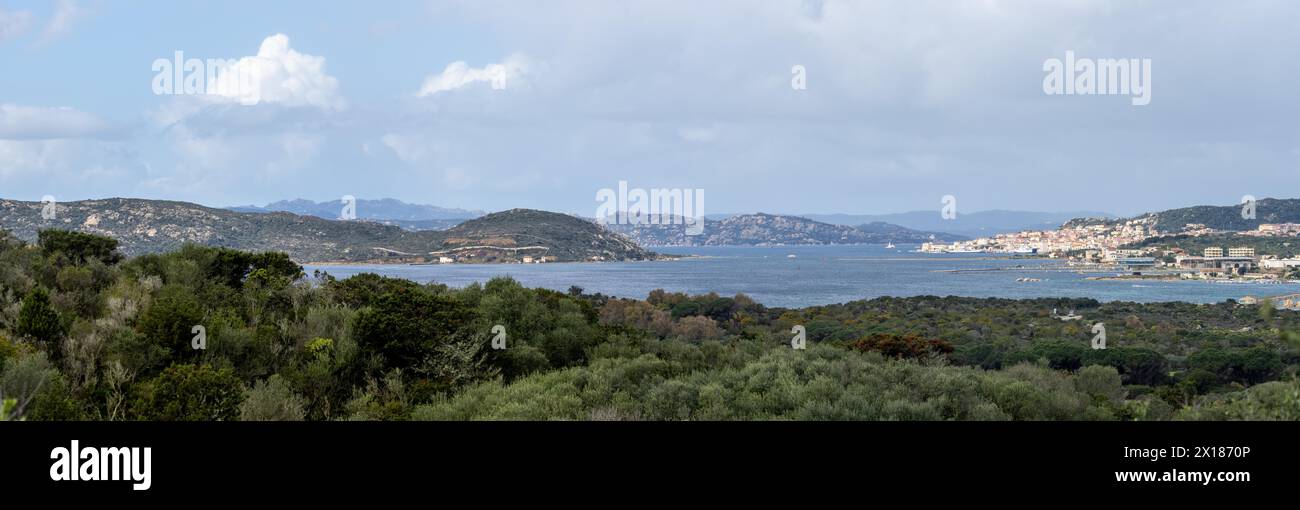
(1277, 400)
(1138, 366)
(170, 319)
(1251, 366)
(381, 400)
(365, 289)
(78, 247)
(36, 389)
(636, 314)
(271, 400)
(8, 350)
(56, 401)
(546, 329)
(820, 382)
(696, 328)
(1100, 382)
(324, 374)
(1260, 365)
(190, 393)
(406, 325)
(902, 346)
(38, 320)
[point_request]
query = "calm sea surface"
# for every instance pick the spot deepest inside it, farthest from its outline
(818, 275)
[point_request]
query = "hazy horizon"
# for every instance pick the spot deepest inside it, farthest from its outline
(265, 204)
(579, 212)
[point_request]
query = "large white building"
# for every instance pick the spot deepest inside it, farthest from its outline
(1279, 263)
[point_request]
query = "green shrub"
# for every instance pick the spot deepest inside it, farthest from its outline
(1276, 400)
(190, 393)
(170, 319)
(78, 247)
(271, 400)
(38, 320)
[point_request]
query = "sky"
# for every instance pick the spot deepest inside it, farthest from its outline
(490, 105)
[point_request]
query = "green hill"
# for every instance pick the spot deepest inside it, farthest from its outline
(1228, 217)
(565, 237)
(153, 226)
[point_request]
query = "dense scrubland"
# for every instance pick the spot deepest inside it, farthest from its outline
(88, 335)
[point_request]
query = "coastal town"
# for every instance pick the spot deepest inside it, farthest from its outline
(1112, 244)
(1073, 237)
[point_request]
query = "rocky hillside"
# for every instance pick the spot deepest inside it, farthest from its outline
(763, 229)
(527, 231)
(1225, 217)
(768, 229)
(148, 226)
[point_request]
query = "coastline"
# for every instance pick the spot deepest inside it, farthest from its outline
(383, 262)
(825, 275)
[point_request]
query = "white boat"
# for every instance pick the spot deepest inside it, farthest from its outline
(889, 246)
(790, 256)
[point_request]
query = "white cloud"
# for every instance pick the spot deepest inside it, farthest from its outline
(66, 15)
(14, 23)
(458, 74)
(40, 123)
(282, 75)
(267, 137)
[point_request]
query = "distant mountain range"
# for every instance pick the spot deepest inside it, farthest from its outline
(769, 229)
(150, 226)
(974, 224)
(393, 231)
(749, 229)
(417, 217)
(387, 210)
(911, 227)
